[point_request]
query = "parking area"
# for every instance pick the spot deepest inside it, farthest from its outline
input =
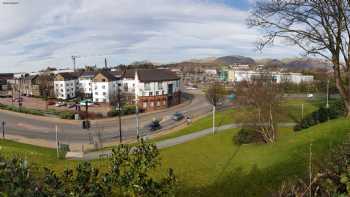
(38, 103)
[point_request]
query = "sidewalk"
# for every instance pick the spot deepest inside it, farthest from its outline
(170, 142)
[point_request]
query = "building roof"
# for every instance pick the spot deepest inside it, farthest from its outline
(68, 76)
(150, 75)
(30, 77)
(88, 74)
(6, 76)
(109, 75)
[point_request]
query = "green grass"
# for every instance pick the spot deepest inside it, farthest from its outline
(214, 166)
(291, 112)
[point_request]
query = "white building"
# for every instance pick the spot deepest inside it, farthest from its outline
(104, 87)
(85, 83)
(65, 85)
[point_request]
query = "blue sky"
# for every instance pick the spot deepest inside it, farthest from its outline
(40, 33)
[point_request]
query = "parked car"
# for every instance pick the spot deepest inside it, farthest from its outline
(178, 116)
(72, 105)
(154, 125)
(60, 104)
(84, 102)
(51, 102)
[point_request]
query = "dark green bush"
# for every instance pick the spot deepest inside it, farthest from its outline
(323, 114)
(246, 135)
(66, 114)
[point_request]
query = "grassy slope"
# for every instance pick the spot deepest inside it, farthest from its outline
(214, 166)
(291, 110)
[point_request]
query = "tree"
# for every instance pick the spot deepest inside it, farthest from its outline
(44, 86)
(215, 94)
(262, 97)
(118, 101)
(319, 27)
(129, 174)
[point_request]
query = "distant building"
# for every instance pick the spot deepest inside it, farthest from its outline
(85, 83)
(104, 87)
(66, 85)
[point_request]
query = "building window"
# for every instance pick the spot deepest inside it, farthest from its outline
(160, 86)
(158, 103)
(61, 85)
(147, 86)
(104, 100)
(103, 80)
(96, 93)
(157, 93)
(103, 87)
(61, 90)
(150, 93)
(104, 93)
(151, 104)
(163, 92)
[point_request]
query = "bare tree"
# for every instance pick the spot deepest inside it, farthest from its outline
(319, 27)
(262, 97)
(215, 94)
(117, 102)
(44, 87)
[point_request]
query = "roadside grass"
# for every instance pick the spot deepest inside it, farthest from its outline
(38, 156)
(215, 166)
(291, 112)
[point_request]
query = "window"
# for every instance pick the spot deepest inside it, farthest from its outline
(103, 80)
(157, 93)
(151, 104)
(150, 93)
(61, 90)
(103, 87)
(158, 103)
(162, 92)
(160, 86)
(96, 93)
(125, 87)
(147, 86)
(104, 93)
(61, 85)
(104, 100)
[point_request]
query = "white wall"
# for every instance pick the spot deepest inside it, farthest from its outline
(103, 91)
(65, 89)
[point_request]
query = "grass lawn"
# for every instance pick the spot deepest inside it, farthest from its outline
(214, 166)
(291, 112)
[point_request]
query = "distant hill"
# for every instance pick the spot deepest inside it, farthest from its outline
(235, 59)
(305, 63)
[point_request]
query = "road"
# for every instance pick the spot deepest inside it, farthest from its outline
(71, 132)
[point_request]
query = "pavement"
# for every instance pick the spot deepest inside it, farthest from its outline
(165, 143)
(41, 130)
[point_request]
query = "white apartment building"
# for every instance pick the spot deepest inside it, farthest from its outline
(65, 85)
(104, 87)
(85, 83)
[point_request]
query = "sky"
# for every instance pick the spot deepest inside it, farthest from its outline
(35, 34)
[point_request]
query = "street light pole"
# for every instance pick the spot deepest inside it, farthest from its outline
(327, 96)
(3, 129)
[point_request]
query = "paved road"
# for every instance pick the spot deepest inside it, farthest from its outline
(173, 141)
(41, 128)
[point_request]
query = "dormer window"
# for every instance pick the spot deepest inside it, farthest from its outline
(103, 80)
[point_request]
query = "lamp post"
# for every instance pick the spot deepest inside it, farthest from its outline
(327, 96)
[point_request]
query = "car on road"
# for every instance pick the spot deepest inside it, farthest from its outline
(60, 104)
(177, 116)
(88, 102)
(154, 125)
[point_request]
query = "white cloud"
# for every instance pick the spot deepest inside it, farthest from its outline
(40, 33)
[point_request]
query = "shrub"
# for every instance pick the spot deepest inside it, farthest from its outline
(66, 115)
(246, 135)
(323, 114)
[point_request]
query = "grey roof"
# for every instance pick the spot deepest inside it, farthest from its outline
(150, 75)
(110, 76)
(69, 75)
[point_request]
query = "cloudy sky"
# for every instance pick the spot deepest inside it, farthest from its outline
(35, 34)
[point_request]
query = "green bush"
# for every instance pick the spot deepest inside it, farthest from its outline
(126, 110)
(66, 115)
(323, 114)
(246, 135)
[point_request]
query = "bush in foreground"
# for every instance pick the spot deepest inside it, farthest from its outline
(128, 175)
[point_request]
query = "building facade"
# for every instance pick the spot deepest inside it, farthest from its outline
(66, 85)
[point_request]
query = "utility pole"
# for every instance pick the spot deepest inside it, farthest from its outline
(57, 143)
(327, 96)
(3, 129)
(213, 119)
(106, 63)
(302, 111)
(119, 115)
(74, 57)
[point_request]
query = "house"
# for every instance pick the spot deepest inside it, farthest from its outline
(104, 87)
(66, 85)
(85, 83)
(30, 85)
(5, 84)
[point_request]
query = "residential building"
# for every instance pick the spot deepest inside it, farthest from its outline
(66, 85)
(85, 83)
(30, 85)
(5, 84)
(104, 87)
